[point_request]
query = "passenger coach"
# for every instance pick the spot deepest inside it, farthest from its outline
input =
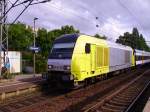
(142, 57)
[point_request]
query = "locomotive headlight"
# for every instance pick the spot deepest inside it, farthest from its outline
(67, 67)
(50, 66)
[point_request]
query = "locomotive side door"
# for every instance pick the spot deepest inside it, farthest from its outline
(93, 58)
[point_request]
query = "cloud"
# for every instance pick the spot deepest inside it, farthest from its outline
(114, 16)
(113, 28)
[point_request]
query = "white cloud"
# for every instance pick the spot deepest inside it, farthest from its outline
(114, 19)
(113, 28)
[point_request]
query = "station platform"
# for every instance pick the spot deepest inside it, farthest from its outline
(147, 106)
(20, 84)
(19, 78)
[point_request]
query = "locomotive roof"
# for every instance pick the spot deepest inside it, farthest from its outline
(67, 38)
(73, 37)
(116, 45)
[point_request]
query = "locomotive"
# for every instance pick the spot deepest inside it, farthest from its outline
(78, 58)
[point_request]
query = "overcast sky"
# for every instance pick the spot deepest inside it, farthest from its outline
(114, 16)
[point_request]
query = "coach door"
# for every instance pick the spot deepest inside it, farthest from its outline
(93, 58)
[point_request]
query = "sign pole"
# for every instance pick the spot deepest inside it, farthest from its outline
(34, 51)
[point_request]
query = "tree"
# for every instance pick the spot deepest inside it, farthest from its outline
(68, 30)
(126, 40)
(100, 37)
(45, 39)
(20, 37)
(134, 39)
(42, 41)
(143, 44)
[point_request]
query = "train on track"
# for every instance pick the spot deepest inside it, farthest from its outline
(79, 58)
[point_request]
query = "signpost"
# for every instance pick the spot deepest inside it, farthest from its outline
(35, 49)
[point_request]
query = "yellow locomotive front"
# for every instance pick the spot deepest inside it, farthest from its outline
(75, 58)
(60, 57)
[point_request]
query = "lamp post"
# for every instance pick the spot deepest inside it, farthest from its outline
(34, 47)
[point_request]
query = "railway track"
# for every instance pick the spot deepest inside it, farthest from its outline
(123, 99)
(25, 102)
(70, 101)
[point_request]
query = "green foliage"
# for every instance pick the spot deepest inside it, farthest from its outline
(134, 39)
(7, 75)
(100, 37)
(68, 30)
(41, 64)
(45, 39)
(20, 37)
(42, 40)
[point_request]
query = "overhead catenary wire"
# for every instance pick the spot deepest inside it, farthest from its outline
(102, 19)
(130, 13)
(61, 11)
(22, 11)
(81, 17)
(10, 2)
(15, 4)
(9, 9)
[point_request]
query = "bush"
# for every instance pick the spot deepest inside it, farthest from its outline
(41, 64)
(7, 75)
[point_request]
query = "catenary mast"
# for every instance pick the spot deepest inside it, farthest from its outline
(3, 33)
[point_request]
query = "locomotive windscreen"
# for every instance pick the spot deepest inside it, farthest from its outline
(63, 47)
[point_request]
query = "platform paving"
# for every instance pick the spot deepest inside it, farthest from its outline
(20, 78)
(20, 84)
(147, 106)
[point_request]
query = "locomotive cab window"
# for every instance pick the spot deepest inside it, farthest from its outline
(63, 47)
(62, 51)
(87, 48)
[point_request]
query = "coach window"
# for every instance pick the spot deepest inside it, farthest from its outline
(87, 48)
